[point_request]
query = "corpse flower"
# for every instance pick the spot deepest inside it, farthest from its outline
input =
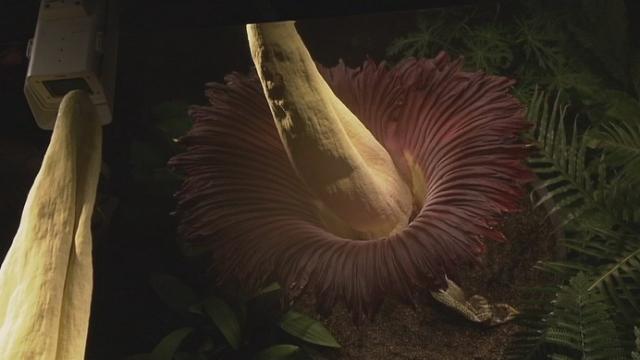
(348, 184)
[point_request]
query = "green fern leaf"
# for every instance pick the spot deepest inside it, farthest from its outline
(577, 324)
(621, 142)
(580, 325)
(619, 280)
(560, 164)
(614, 265)
(623, 198)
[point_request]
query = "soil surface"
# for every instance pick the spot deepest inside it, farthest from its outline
(431, 331)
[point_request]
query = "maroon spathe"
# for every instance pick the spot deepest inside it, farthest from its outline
(242, 197)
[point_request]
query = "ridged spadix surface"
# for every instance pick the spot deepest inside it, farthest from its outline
(334, 154)
(453, 137)
(46, 278)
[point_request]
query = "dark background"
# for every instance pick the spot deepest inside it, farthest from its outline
(167, 51)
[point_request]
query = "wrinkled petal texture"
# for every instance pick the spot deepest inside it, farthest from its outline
(242, 197)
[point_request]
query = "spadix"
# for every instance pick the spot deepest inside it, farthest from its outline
(331, 150)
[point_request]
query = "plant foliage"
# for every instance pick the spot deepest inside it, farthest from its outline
(253, 328)
(602, 265)
(560, 160)
(574, 46)
(581, 327)
(586, 156)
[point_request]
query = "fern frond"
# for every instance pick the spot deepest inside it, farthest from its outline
(530, 343)
(614, 266)
(619, 280)
(565, 269)
(560, 161)
(577, 325)
(623, 199)
(621, 142)
(581, 323)
(573, 78)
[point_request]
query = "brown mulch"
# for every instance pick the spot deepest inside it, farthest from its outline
(433, 332)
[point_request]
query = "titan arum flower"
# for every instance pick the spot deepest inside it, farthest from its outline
(351, 184)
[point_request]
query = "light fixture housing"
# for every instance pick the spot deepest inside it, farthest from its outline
(74, 47)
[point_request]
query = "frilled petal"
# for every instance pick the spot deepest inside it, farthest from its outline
(242, 196)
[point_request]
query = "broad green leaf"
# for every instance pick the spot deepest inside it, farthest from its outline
(225, 319)
(173, 292)
(278, 352)
(167, 348)
(307, 329)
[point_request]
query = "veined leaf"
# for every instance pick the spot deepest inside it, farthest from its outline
(225, 319)
(167, 348)
(307, 329)
(621, 142)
